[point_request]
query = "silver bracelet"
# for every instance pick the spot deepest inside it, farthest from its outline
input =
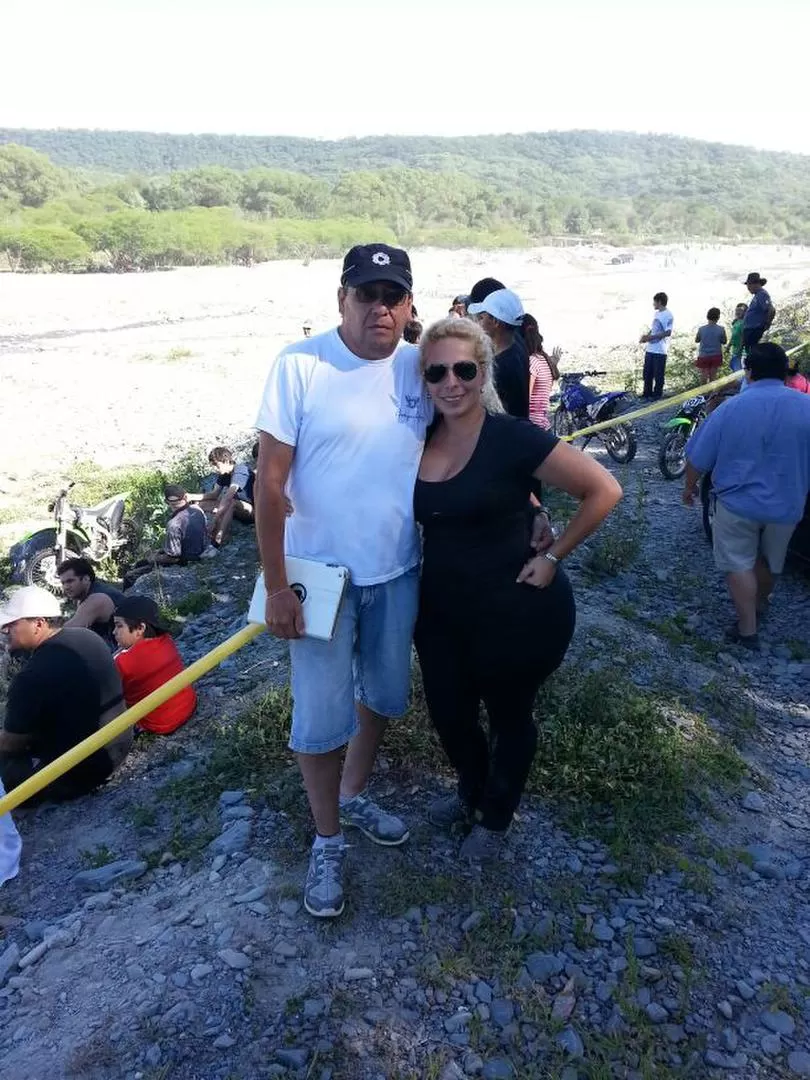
(551, 558)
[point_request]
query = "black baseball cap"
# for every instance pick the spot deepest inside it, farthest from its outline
(141, 609)
(377, 262)
(482, 289)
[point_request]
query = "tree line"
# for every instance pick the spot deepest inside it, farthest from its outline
(53, 217)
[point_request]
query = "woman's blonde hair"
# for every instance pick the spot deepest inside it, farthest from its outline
(471, 332)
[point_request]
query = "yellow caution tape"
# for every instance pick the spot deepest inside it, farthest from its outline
(100, 738)
(116, 727)
(664, 403)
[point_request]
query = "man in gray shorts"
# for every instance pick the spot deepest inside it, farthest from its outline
(757, 447)
(342, 425)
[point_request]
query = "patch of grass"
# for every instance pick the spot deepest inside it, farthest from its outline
(143, 816)
(94, 858)
(678, 947)
(626, 610)
(248, 752)
(778, 997)
(413, 886)
(798, 649)
(624, 762)
(178, 353)
(487, 951)
(620, 538)
(196, 603)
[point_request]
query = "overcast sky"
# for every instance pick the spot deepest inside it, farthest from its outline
(725, 70)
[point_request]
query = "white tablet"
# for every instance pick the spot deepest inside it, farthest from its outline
(319, 587)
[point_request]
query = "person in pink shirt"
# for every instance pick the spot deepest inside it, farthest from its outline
(543, 372)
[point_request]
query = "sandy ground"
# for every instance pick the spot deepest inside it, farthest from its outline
(122, 369)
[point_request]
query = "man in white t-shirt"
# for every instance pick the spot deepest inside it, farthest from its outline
(657, 342)
(342, 425)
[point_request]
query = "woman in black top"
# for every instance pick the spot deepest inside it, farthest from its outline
(494, 620)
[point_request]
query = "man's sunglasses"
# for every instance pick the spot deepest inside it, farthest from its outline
(466, 370)
(390, 296)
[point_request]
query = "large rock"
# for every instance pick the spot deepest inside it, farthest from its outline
(114, 873)
(9, 960)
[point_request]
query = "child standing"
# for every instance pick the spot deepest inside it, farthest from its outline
(736, 347)
(148, 658)
(710, 338)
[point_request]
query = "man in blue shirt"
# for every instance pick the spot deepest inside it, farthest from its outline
(757, 447)
(760, 313)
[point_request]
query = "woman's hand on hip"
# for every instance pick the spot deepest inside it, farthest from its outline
(538, 572)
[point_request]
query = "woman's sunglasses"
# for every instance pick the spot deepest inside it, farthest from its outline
(466, 370)
(390, 296)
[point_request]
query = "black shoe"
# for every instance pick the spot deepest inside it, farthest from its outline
(748, 641)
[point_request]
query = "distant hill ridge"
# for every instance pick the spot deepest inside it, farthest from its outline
(585, 163)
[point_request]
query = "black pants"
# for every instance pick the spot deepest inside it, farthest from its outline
(495, 651)
(655, 366)
(15, 769)
(751, 335)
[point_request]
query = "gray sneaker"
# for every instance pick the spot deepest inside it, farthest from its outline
(449, 810)
(372, 821)
(483, 844)
(323, 892)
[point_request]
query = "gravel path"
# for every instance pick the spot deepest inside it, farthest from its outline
(189, 955)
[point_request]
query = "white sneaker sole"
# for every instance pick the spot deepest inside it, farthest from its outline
(373, 837)
(325, 913)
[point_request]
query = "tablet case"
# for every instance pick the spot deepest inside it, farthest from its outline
(319, 586)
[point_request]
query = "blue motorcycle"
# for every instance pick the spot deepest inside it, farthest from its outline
(581, 406)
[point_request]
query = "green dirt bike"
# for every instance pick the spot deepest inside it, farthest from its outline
(679, 428)
(94, 533)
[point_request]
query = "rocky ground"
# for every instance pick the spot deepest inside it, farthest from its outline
(156, 930)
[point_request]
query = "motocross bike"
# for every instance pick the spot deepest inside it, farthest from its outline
(93, 533)
(672, 453)
(581, 406)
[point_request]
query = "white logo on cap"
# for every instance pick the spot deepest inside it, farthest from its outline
(381, 258)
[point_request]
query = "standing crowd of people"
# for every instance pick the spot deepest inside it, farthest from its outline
(416, 458)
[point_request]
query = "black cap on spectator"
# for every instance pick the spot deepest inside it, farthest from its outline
(377, 262)
(481, 289)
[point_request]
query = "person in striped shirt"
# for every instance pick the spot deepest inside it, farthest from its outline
(543, 372)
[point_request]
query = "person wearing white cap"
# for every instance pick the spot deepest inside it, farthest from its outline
(68, 690)
(501, 317)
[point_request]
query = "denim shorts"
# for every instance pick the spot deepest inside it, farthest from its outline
(368, 660)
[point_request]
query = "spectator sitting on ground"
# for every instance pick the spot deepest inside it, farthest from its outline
(757, 447)
(186, 536)
(232, 496)
(67, 691)
(97, 600)
(148, 659)
(710, 340)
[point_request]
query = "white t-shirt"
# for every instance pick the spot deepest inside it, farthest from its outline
(358, 428)
(660, 324)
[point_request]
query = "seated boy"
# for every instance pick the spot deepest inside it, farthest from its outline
(186, 536)
(148, 658)
(232, 496)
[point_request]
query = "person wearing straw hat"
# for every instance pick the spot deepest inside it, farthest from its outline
(67, 691)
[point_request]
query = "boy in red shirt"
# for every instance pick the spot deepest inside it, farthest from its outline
(147, 659)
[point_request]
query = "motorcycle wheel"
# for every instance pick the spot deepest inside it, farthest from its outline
(40, 569)
(672, 454)
(563, 423)
(620, 442)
